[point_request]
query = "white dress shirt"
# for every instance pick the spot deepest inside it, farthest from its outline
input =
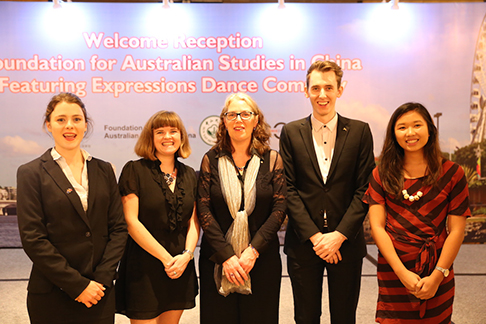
(81, 188)
(324, 137)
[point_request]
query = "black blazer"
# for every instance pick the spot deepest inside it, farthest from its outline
(308, 197)
(68, 246)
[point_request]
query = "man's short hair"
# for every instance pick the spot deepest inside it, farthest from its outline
(325, 66)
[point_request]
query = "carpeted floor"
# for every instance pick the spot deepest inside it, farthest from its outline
(470, 269)
(9, 232)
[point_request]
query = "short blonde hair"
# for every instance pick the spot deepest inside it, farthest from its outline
(145, 147)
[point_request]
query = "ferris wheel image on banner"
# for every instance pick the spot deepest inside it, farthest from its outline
(477, 113)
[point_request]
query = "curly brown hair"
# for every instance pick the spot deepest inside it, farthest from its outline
(261, 134)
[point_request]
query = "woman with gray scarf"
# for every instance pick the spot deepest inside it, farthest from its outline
(241, 206)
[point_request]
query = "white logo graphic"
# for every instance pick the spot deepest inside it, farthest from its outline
(208, 129)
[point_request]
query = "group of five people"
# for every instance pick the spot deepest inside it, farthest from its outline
(74, 224)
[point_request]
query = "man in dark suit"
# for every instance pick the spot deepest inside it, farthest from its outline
(328, 160)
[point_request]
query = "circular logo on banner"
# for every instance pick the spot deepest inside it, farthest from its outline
(277, 129)
(208, 129)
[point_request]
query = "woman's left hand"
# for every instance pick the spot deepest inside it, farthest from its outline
(247, 259)
(92, 294)
(427, 287)
(234, 272)
(176, 267)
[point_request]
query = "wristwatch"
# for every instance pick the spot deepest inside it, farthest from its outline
(445, 272)
(191, 254)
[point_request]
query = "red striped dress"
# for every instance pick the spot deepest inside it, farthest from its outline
(418, 231)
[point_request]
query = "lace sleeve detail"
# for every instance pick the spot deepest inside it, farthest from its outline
(221, 250)
(203, 194)
(279, 190)
(271, 226)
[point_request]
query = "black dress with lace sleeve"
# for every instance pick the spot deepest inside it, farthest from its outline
(264, 223)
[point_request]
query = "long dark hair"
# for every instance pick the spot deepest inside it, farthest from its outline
(392, 155)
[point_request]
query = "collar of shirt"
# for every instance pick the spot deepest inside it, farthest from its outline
(324, 137)
(56, 156)
(80, 188)
(317, 126)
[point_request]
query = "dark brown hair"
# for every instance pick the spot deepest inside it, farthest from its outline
(392, 155)
(145, 147)
(260, 136)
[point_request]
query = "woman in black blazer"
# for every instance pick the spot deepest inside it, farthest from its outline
(71, 223)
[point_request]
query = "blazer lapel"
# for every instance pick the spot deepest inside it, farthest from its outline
(342, 132)
(53, 169)
(92, 181)
(306, 133)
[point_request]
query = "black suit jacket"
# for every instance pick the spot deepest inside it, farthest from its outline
(340, 197)
(68, 246)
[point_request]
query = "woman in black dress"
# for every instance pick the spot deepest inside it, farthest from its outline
(71, 223)
(241, 206)
(157, 274)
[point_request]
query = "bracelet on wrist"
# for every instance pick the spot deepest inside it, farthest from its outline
(191, 254)
(255, 252)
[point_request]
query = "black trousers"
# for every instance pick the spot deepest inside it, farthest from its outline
(344, 282)
(56, 307)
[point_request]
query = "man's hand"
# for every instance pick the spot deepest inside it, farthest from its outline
(327, 246)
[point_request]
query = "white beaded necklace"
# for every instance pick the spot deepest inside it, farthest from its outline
(412, 198)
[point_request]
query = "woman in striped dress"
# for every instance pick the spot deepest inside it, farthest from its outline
(413, 194)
